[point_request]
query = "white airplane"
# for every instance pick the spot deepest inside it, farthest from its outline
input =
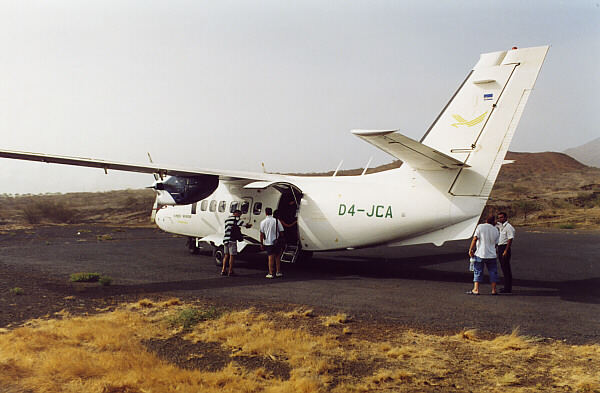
(437, 194)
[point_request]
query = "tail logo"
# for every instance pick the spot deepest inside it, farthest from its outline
(468, 123)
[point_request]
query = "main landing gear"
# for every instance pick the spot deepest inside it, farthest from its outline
(192, 247)
(218, 254)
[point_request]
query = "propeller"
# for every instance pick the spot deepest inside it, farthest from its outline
(155, 207)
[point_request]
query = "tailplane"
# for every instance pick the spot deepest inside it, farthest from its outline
(477, 126)
(471, 136)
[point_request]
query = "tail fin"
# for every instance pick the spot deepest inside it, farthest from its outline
(478, 124)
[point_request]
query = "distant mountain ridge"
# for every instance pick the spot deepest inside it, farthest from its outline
(588, 154)
(542, 162)
(530, 162)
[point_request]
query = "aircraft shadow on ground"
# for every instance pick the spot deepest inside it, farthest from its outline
(351, 268)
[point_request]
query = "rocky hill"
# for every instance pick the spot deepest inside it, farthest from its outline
(548, 190)
(588, 154)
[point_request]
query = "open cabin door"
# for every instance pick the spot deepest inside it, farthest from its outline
(287, 205)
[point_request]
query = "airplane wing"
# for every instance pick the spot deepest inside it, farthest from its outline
(412, 153)
(141, 168)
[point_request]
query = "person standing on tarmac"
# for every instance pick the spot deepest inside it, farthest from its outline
(507, 235)
(270, 229)
(483, 246)
(229, 243)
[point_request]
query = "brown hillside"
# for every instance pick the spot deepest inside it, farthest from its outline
(542, 162)
(548, 190)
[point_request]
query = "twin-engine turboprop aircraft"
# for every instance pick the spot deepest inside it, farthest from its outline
(437, 195)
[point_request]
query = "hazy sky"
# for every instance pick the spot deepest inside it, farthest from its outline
(231, 84)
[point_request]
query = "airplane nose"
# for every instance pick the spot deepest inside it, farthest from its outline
(157, 186)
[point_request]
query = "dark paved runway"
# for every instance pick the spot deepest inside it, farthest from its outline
(556, 288)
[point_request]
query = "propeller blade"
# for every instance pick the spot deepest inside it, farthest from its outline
(154, 210)
(157, 177)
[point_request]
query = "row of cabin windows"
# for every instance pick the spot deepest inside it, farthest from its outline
(233, 206)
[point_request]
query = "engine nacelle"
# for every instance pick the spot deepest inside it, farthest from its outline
(180, 190)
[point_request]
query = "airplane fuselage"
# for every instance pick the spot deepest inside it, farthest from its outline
(333, 212)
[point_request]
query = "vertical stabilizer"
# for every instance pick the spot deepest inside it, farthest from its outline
(477, 126)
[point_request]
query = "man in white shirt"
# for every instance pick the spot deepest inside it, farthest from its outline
(270, 230)
(483, 246)
(507, 235)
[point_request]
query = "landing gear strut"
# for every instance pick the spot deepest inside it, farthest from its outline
(192, 247)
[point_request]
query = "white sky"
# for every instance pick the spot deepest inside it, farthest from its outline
(231, 84)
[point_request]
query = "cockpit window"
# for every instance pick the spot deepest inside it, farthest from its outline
(213, 206)
(204, 205)
(257, 208)
(222, 206)
(233, 207)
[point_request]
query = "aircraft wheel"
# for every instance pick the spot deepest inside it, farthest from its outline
(191, 242)
(218, 254)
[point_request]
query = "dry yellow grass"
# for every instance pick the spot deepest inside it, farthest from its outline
(106, 354)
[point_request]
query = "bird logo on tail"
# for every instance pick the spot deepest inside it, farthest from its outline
(468, 123)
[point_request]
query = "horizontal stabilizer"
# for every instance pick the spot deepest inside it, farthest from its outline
(412, 153)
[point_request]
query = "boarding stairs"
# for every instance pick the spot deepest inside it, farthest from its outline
(291, 252)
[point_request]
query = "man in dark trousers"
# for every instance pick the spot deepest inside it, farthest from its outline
(507, 235)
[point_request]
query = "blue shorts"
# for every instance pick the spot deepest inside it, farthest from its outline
(492, 268)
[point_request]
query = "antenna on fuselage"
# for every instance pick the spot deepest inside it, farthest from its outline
(337, 169)
(367, 167)
(263, 166)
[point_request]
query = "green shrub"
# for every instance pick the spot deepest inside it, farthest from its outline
(85, 277)
(525, 206)
(189, 317)
(105, 281)
(16, 291)
(567, 226)
(49, 210)
(518, 189)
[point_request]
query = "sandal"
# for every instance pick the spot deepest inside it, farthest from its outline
(223, 273)
(472, 293)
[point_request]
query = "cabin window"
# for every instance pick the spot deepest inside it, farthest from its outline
(257, 208)
(204, 205)
(245, 207)
(222, 206)
(233, 207)
(213, 206)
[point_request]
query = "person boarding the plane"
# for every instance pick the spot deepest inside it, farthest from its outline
(270, 230)
(483, 247)
(233, 234)
(507, 235)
